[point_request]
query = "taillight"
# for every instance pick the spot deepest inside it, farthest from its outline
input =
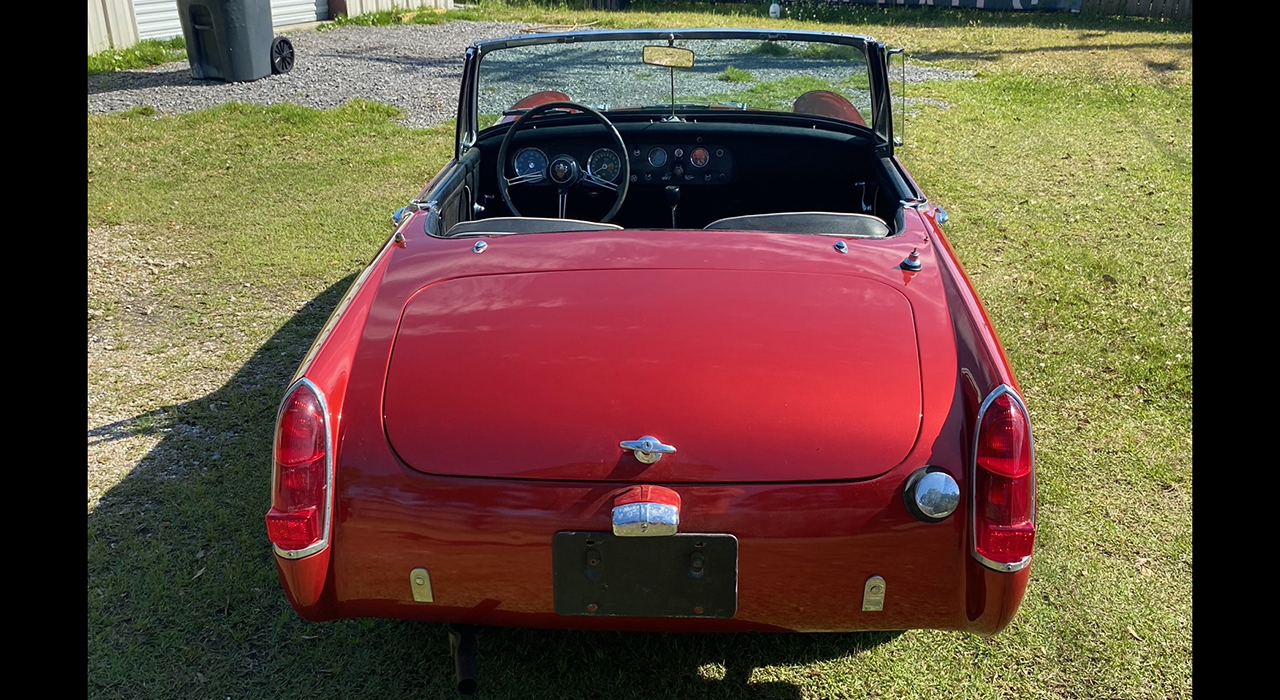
(1004, 484)
(300, 474)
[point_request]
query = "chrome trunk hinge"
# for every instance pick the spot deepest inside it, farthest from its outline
(865, 207)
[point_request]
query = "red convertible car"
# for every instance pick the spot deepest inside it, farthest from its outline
(673, 342)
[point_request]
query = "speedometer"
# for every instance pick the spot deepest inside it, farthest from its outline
(604, 164)
(530, 161)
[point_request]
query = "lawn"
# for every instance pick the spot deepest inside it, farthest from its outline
(148, 52)
(218, 242)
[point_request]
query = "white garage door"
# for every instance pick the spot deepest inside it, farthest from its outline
(158, 19)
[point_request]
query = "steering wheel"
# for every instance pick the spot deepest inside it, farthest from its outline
(563, 171)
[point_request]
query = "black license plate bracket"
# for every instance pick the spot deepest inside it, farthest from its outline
(682, 575)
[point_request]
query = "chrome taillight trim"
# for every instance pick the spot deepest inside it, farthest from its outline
(328, 470)
(973, 479)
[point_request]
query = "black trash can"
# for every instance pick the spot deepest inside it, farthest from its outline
(227, 39)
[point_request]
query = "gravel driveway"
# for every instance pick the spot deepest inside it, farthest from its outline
(414, 67)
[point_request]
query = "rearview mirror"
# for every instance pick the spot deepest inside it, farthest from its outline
(668, 57)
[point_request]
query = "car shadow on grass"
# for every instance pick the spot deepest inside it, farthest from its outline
(183, 599)
(601, 665)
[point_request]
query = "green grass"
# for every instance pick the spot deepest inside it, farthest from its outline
(781, 94)
(771, 48)
(148, 52)
(387, 18)
(220, 240)
(832, 52)
(735, 75)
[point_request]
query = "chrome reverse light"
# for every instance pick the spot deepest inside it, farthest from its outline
(646, 511)
(931, 494)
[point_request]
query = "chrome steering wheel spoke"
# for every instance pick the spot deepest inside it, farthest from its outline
(564, 200)
(600, 182)
(527, 178)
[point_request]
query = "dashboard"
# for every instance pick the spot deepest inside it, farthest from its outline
(723, 168)
(693, 163)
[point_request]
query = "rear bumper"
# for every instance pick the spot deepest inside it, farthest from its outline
(805, 552)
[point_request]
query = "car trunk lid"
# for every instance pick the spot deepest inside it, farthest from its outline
(753, 376)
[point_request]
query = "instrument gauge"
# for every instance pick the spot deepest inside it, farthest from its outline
(530, 161)
(657, 157)
(699, 157)
(604, 164)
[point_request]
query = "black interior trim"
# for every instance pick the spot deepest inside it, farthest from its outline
(822, 223)
(508, 225)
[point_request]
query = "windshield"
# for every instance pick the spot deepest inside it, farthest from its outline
(810, 77)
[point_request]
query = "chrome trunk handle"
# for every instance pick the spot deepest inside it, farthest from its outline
(647, 449)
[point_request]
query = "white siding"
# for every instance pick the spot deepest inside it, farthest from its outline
(158, 19)
(121, 23)
(298, 11)
(111, 24)
(359, 7)
(99, 37)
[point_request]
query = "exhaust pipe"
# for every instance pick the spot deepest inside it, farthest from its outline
(463, 646)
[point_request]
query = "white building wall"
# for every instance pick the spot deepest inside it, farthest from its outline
(99, 37)
(122, 23)
(111, 24)
(157, 19)
(359, 7)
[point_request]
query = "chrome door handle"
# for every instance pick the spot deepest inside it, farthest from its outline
(647, 449)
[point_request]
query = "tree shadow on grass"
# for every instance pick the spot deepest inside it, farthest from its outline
(994, 54)
(183, 599)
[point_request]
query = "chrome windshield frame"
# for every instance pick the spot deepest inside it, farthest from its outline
(468, 104)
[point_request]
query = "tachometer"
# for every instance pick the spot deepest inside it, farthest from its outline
(529, 161)
(604, 164)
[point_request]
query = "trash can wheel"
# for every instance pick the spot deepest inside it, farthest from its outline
(281, 55)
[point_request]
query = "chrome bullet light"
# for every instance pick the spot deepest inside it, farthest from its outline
(931, 494)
